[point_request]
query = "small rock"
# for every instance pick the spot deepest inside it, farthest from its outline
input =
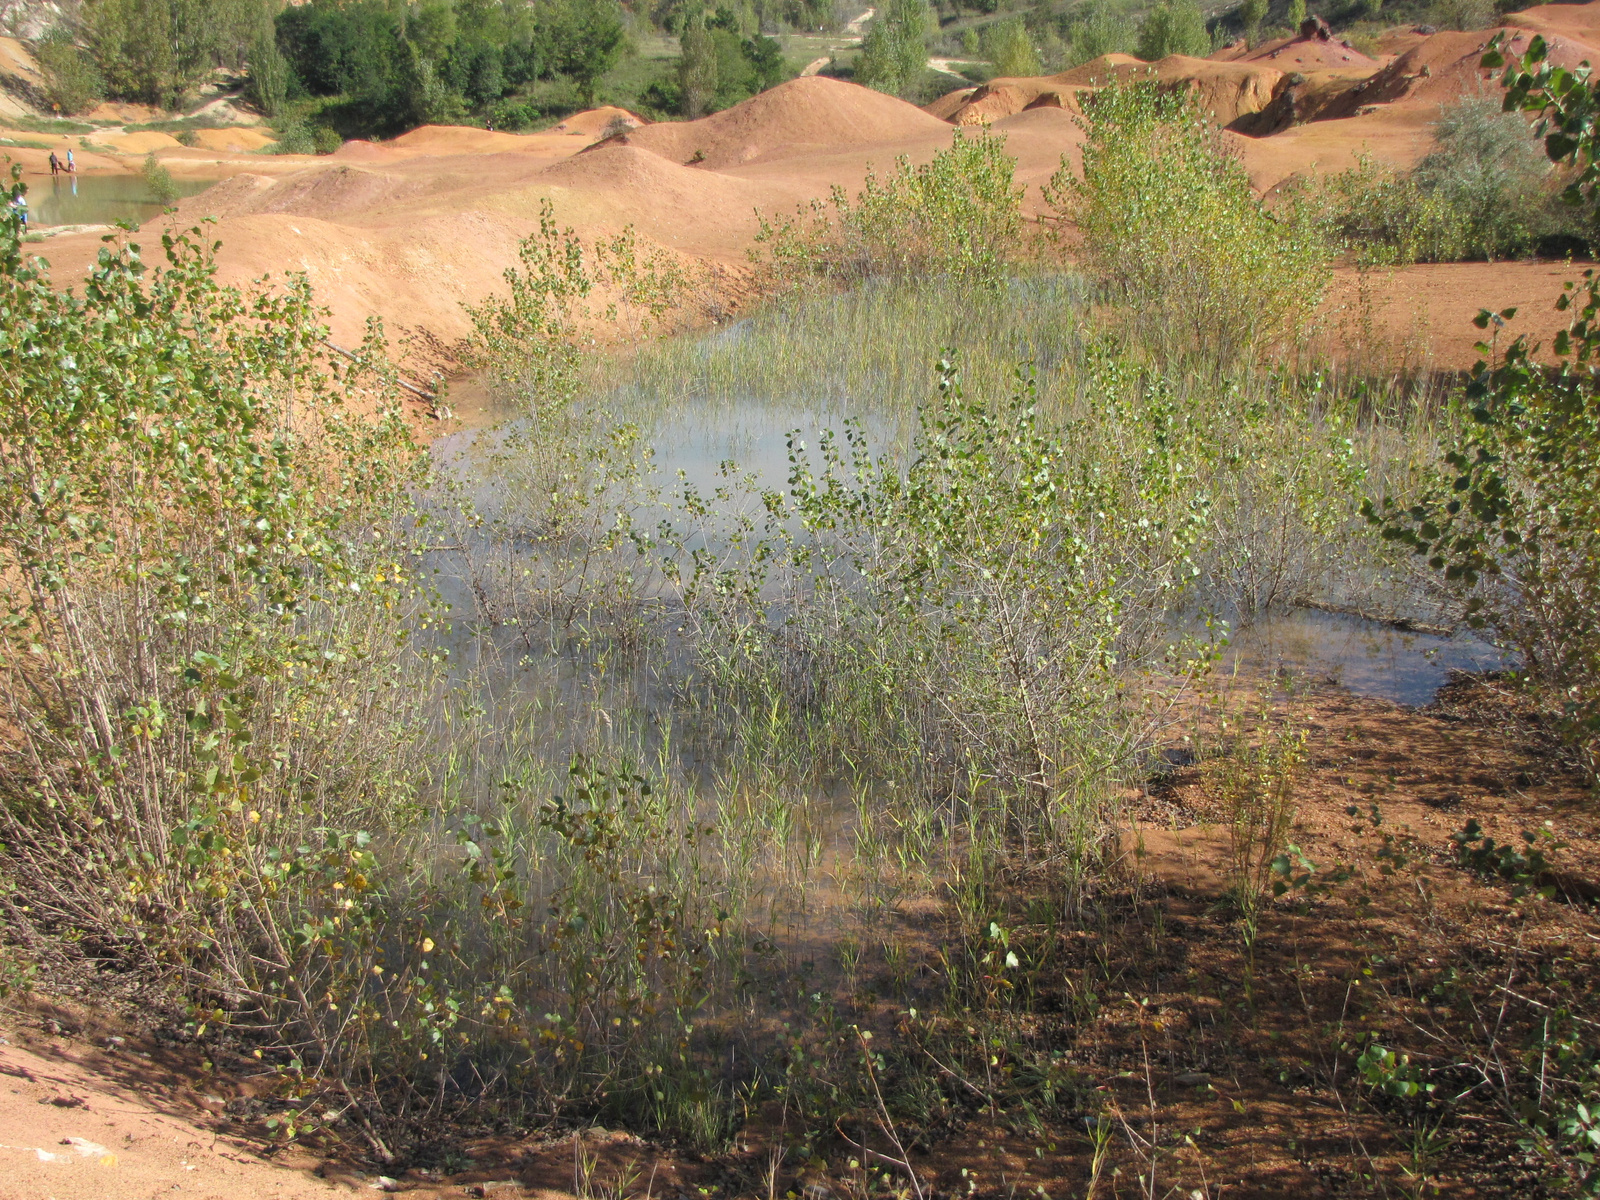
(384, 1184)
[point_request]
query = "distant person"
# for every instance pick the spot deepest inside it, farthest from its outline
(72, 167)
(490, 124)
(19, 205)
(55, 164)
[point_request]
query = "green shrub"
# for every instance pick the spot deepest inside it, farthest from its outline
(1168, 225)
(295, 136)
(958, 216)
(1465, 15)
(535, 340)
(1511, 515)
(1173, 27)
(1485, 191)
(159, 180)
(1489, 168)
(1383, 217)
(1009, 48)
(515, 115)
(1101, 27)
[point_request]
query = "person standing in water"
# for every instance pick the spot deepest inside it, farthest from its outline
(55, 164)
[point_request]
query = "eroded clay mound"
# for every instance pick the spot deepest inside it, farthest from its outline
(1575, 22)
(1309, 53)
(599, 122)
(1445, 66)
(804, 114)
(319, 191)
(1001, 98)
(651, 187)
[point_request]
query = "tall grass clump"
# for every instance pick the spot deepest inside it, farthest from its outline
(957, 218)
(1167, 224)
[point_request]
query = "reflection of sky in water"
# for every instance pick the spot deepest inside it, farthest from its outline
(1368, 658)
(755, 438)
(699, 440)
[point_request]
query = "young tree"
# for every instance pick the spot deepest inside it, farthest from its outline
(697, 64)
(1297, 14)
(1173, 27)
(1010, 50)
(1252, 13)
(425, 98)
(73, 84)
(600, 41)
(894, 53)
(269, 74)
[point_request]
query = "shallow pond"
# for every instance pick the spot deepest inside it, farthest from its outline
(99, 199)
(693, 446)
(1367, 657)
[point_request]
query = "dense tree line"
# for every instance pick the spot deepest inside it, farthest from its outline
(405, 64)
(380, 66)
(151, 51)
(718, 64)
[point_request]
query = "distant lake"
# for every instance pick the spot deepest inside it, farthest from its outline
(98, 199)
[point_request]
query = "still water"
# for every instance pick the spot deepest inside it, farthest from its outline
(693, 446)
(1366, 657)
(98, 199)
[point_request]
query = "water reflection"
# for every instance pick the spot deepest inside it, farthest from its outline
(1367, 657)
(693, 445)
(100, 199)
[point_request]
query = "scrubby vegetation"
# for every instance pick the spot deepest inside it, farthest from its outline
(1485, 191)
(1168, 223)
(957, 218)
(531, 785)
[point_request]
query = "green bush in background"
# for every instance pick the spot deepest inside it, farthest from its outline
(1168, 225)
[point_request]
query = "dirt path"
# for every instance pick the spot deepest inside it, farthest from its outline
(947, 66)
(855, 26)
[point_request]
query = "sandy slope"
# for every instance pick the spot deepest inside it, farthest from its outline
(71, 1131)
(414, 228)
